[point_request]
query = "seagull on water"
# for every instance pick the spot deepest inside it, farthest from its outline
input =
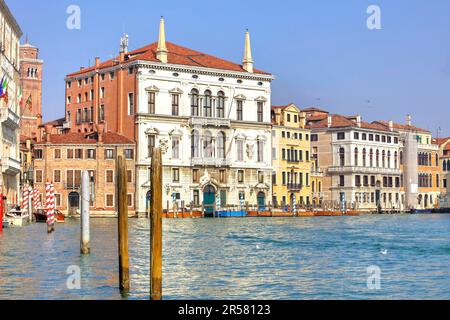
(384, 252)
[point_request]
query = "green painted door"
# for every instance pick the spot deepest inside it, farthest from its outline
(261, 201)
(209, 200)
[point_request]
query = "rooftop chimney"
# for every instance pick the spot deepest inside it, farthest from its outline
(408, 120)
(391, 125)
(358, 120)
(330, 120)
(247, 64)
(97, 62)
(302, 120)
(48, 133)
(162, 52)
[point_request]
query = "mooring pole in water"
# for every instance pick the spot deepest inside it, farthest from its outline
(156, 227)
(85, 197)
(30, 208)
(122, 204)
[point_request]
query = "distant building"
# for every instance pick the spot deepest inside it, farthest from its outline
(360, 161)
(419, 158)
(10, 166)
(31, 84)
(61, 159)
(291, 158)
(444, 164)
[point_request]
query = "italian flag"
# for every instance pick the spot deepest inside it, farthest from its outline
(20, 97)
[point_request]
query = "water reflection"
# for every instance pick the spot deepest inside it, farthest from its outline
(305, 258)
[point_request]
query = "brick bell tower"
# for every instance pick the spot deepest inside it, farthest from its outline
(31, 83)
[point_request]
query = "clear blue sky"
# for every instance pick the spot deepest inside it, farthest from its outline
(317, 49)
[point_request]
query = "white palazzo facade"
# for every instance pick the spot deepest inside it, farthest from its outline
(214, 128)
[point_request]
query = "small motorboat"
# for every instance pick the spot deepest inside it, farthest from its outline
(41, 216)
(59, 217)
(17, 218)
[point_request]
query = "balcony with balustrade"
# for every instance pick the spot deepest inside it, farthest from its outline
(10, 118)
(11, 166)
(363, 170)
(210, 162)
(294, 186)
(210, 122)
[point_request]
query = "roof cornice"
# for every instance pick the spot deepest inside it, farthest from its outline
(9, 16)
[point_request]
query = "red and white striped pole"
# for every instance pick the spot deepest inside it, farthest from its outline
(25, 195)
(49, 208)
(53, 192)
(36, 202)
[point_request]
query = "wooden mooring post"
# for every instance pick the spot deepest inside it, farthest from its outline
(122, 206)
(156, 226)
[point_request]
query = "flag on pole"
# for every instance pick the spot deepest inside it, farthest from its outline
(4, 89)
(20, 97)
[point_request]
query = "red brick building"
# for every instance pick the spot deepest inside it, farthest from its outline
(101, 95)
(31, 83)
(62, 159)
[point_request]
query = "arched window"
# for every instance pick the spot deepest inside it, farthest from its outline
(396, 159)
(356, 157)
(208, 145)
(437, 160)
(194, 102)
(389, 159)
(371, 157)
(313, 187)
(378, 159)
(221, 145)
(342, 157)
(220, 105)
(364, 157)
(444, 165)
(401, 157)
(429, 160)
(383, 159)
(195, 142)
(207, 107)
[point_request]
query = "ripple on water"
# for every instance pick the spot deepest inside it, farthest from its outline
(304, 258)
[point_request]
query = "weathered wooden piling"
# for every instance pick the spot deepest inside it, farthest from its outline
(156, 226)
(122, 204)
(85, 197)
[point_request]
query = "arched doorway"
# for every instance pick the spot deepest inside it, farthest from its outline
(261, 199)
(74, 203)
(426, 202)
(209, 199)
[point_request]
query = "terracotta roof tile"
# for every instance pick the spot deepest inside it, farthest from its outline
(177, 55)
(312, 109)
(339, 121)
(89, 139)
(400, 126)
(54, 123)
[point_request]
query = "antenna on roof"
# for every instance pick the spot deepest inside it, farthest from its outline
(124, 40)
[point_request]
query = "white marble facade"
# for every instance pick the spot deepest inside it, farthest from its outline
(230, 149)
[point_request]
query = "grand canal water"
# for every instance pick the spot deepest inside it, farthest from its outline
(285, 258)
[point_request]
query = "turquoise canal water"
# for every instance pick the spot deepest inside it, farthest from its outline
(260, 258)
